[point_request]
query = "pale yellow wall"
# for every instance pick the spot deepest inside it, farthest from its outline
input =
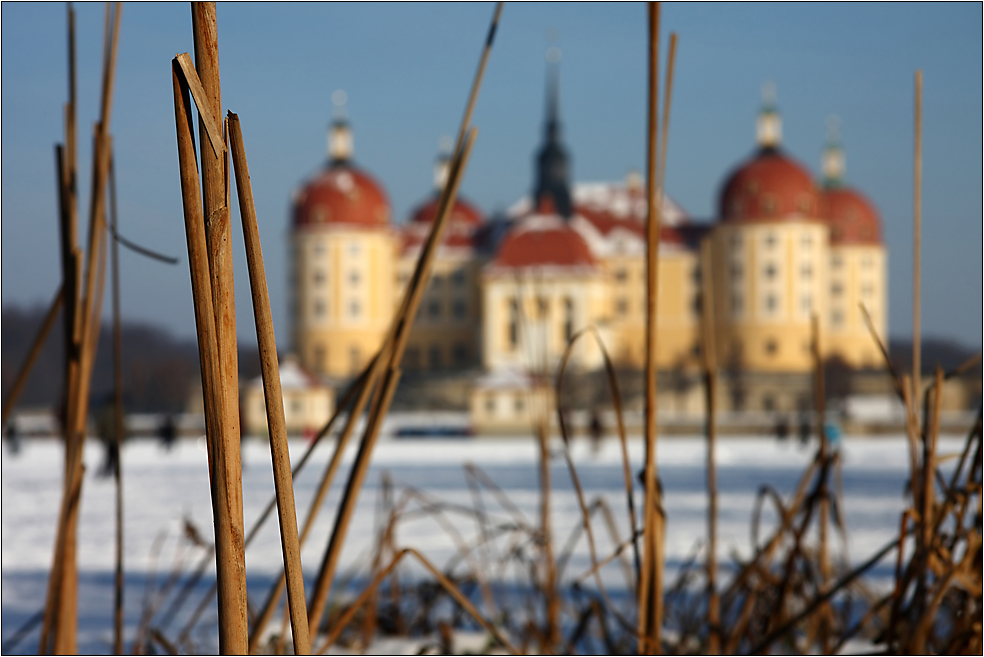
(447, 330)
(305, 410)
(677, 321)
(857, 275)
(763, 321)
(511, 410)
(541, 334)
(342, 300)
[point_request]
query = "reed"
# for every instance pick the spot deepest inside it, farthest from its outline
(267, 343)
(710, 386)
(32, 355)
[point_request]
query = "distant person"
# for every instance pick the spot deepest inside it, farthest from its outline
(12, 436)
(167, 432)
(782, 428)
(597, 430)
(833, 431)
(106, 431)
(804, 428)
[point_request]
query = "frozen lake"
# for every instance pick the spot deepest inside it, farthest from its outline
(162, 488)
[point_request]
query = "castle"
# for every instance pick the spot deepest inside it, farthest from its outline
(508, 292)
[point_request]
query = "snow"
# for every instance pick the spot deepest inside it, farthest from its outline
(163, 487)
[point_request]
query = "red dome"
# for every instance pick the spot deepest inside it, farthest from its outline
(770, 186)
(462, 212)
(853, 220)
(341, 194)
(552, 245)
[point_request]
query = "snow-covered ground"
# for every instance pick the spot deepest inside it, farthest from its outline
(163, 487)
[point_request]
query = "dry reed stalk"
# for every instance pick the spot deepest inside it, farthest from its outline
(59, 628)
(231, 614)
(445, 583)
(820, 401)
(710, 387)
(118, 428)
(399, 332)
(648, 587)
(917, 242)
(32, 355)
(575, 479)
(227, 483)
(277, 426)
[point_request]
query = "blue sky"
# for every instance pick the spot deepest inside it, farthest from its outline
(407, 69)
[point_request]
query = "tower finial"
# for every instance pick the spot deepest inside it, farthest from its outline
(552, 162)
(441, 167)
(340, 140)
(769, 126)
(832, 161)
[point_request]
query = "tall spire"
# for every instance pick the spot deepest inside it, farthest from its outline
(339, 133)
(552, 162)
(832, 161)
(769, 125)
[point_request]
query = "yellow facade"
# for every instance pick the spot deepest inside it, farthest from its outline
(343, 296)
(769, 280)
(447, 332)
(529, 316)
(857, 276)
(677, 323)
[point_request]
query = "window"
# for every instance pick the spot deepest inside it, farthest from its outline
(867, 289)
(513, 323)
(736, 304)
(542, 307)
(296, 407)
(806, 303)
(355, 360)
(354, 248)
(768, 206)
(319, 309)
(354, 278)
(697, 304)
(621, 275)
(435, 357)
(768, 403)
(460, 355)
(806, 271)
(771, 302)
(458, 278)
(770, 240)
(437, 281)
(771, 347)
(355, 308)
(836, 288)
(622, 307)
(736, 271)
(319, 277)
(568, 319)
(411, 358)
(836, 262)
(490, 404)
(434, 308)
(459, 309)
(837, 318)
(695, 275)
(770, 271)
(735, 242)
(519, 404)
(320, 357)
(319, 249)
(806, 241)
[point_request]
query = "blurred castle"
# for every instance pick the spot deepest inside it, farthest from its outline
(507, 293)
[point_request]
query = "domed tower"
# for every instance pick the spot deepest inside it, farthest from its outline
(770, 258)
(858, 263)
(342, 257)
(447, 331)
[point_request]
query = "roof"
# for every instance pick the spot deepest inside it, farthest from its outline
(341, 194)
(853, 219)
(769, 186)
(462, 211)
(541, 240)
